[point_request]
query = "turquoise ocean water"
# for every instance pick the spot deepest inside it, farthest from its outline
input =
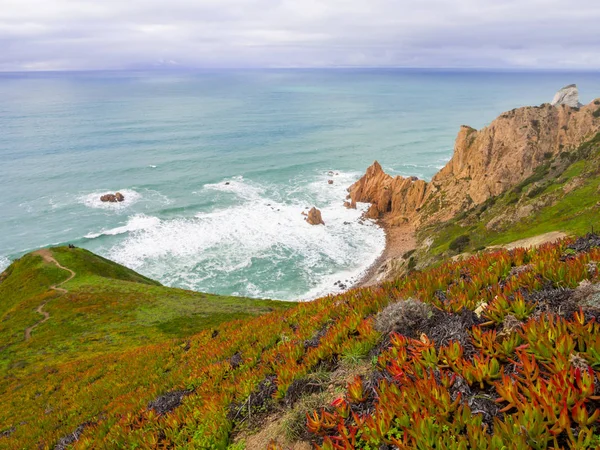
(170, 141)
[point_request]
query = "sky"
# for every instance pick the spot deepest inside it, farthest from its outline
(126, 34)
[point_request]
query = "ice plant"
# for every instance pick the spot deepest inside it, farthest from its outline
(356, 391)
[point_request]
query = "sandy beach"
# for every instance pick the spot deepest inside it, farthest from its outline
(399, 239)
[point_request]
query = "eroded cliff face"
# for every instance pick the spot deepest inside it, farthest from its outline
(485, 163)
(399, 196)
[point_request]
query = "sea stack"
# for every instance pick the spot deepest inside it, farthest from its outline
(569, 96)
(314, 217)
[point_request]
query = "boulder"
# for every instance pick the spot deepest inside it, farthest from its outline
(108, 198)
(112, 198)
(329, 181)
(314, 217)
(569, 96)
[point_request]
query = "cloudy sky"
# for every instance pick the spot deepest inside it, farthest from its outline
(113, 34)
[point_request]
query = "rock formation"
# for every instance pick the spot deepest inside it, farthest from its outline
(113, 198)
(314, 217)
(398, 195)
(569, 96)
(485, 163)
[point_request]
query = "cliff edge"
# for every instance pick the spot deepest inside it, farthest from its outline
(485, 163)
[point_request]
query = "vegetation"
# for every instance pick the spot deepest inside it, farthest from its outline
(108, 308)
(460, 243)
(437, 380)
(523, 375)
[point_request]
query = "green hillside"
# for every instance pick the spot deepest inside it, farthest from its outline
(408, 364)
(562, 195)
(106, 308)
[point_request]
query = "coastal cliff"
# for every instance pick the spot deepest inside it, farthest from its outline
(485, 164)
(530, 146)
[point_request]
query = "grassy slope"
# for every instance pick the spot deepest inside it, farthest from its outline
(544, 200)
(108, 309)
(112, 391)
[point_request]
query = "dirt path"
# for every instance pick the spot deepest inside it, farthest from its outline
(534, 241)
(46, 254)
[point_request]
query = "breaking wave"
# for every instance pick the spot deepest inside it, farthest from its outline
(260, 246)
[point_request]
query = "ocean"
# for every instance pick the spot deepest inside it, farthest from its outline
(217, 166)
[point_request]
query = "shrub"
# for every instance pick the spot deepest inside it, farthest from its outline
(536, 191)
(405, 317)
(408, 254)
(460, 243)
(596, 113)
(412, 263)
(512, 199)
(539, 173)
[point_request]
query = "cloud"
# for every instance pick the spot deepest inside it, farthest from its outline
(109, 34)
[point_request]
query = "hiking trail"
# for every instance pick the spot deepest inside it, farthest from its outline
(46, 254)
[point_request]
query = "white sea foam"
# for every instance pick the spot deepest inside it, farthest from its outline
(240, 187)
(4, 263)
(135, 223)
(93, 200)
(261, 246)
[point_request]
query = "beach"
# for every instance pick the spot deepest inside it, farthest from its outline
(399, 239)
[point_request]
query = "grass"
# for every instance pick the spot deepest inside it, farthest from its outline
(108, 309)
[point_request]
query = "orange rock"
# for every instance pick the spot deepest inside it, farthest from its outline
(386, 194)
(314, 217)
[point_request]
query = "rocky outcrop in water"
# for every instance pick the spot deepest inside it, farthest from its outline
(117, 197)
(569, 96)
(485, 163)
(314, 217)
